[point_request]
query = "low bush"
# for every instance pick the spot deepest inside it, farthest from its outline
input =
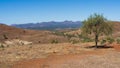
(103, 41)
(118, 40)
(110, 40)
(69, 36)
(1, 46)
(87, 40)
(54, 41)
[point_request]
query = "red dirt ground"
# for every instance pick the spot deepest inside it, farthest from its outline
(53, 61)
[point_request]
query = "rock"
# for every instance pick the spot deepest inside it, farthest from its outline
(17, 42)
(3, 45)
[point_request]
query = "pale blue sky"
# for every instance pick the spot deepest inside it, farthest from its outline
(27, 11)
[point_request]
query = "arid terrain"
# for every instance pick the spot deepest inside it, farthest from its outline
(22, 48)
(60, 56)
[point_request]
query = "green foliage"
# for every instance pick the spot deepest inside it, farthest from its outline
(97, 25)
(1, 46)
(110, 40)
(87, 40)
(80, 35)
(118, 40)
(54, 41)
(103, 41)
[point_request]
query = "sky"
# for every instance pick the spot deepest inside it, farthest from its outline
(28, 11)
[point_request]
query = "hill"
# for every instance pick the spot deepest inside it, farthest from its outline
(116, 32)
(42, 36)
(50, 25)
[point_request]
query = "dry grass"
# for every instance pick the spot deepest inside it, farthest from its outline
(16, 53)
(12, 54)
(106, 61)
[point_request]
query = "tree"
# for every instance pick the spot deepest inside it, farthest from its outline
(97, 25)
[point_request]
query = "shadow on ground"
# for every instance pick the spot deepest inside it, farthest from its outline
(100, 47)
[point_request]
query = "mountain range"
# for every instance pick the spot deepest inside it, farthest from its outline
(52, 25)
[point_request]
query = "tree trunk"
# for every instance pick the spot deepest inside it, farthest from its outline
(96, 41)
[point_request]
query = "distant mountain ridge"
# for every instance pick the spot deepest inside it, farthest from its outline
(52, 25)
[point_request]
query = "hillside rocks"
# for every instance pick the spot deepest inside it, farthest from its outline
(14, 42)
(17, 42)
(3, 45)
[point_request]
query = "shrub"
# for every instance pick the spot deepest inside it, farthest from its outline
(118, 40)
(110, 40)
(54, 41)
(87, 40)
(69, 36)
(1, 46)
(80, 36)
(103, 41)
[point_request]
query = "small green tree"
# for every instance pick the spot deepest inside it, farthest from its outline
(97, 25)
